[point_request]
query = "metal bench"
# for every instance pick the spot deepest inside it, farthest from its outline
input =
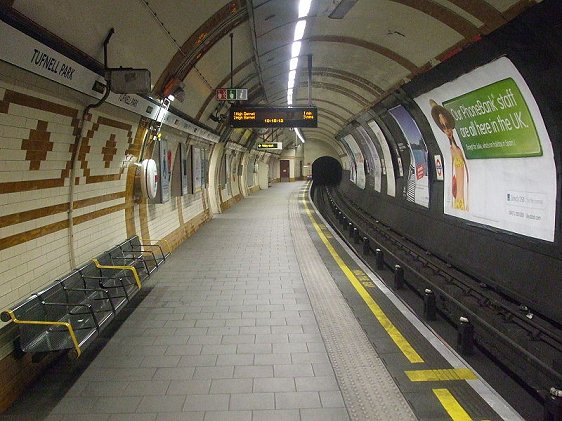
(134, 245)
(60, 317)
(71, 312)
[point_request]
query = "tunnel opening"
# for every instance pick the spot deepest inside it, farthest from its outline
(326, 171)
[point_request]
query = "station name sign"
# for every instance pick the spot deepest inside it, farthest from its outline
(258, 116)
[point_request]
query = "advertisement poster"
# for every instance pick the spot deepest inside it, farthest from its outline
(379, 135)
(498, 162)
(196, 156)
(417, 185)
(375, 167)
(358, 159)
(164, 163)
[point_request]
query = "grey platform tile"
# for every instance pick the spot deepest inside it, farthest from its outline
(272, 339)
(249, 401)
(309, 357)
(228, 415)
(160, 361)
(205, 340)
(317, 384)
(239, 339)
(163, 331)
(188, 331)
(235, 359)
(131, 417)
(75, 405)
(253, 371)
(270, 359)
(241, 322)
(168, 403)
(117, 361)
(148, 350)
(210, 322)
(188, 349)
(293, 370)
(223, 372)
(222, 331)
(270, 384)
(289, 348)
(177, 373)
(271, 322)
(218, 349)
(198, 360)
(253, 348)
(118, 374)
(332, 399)
(181, 416)
(116, 405)
(107, 388)
(146, 388)
(316, 347)
(322, 369)
(231, 386)
(324, 414)
(305, 337)
(276, 415)
(206, 403)
(297, 400)
(255, 330)
(171, 340)
(180, 322)
(278, 330)
(189, 387)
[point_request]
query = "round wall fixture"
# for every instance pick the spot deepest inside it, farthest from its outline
(149, 178)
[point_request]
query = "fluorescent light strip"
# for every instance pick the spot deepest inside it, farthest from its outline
(299, 135)
(295, 49)
(299, 30)
(304, 8)
(294, 63)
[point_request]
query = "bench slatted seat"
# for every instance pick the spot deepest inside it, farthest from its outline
(71, 312)
(122, 282)
(119, 255)
(51, 322)
(135, 245)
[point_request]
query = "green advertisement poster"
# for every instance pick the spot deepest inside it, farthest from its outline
(495, 122)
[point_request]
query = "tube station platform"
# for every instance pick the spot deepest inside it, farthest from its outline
(264, 314)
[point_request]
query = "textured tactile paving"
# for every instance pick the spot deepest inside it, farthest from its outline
(368, 390)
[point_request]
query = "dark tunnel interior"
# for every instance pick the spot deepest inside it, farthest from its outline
(326, 171)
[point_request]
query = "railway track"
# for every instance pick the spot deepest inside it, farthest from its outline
(528, 345)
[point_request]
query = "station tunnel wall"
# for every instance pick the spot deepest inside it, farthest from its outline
(526, 269)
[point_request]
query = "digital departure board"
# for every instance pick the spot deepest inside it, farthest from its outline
(258, 116)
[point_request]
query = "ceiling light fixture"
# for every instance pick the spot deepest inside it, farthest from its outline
(304, 8)
(296, 49)
(299, 135)
(299, 30)
(294, 63)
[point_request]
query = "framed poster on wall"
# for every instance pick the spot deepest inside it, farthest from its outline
(498, 161)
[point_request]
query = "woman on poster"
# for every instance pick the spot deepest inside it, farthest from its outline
(459, 172)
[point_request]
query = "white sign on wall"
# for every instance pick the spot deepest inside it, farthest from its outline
(381, 139)
(497, 155)
(358, 159)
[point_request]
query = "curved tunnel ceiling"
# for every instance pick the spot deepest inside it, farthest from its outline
(357, 60)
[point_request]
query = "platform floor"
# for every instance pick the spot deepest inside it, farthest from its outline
(255, 318)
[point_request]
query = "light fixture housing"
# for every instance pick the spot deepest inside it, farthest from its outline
(299, 30)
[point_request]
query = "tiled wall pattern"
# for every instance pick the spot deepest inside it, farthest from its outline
(38, 127)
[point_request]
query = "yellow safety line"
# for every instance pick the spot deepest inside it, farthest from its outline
(392, 331)
(131, 268)
(451, 405)
(39, 322)
(441, 375)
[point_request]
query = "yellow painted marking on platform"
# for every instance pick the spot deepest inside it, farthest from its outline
(451, 405)
(441, 375)
(400, 341)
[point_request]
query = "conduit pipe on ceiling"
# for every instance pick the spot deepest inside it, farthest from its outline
(76, 153)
